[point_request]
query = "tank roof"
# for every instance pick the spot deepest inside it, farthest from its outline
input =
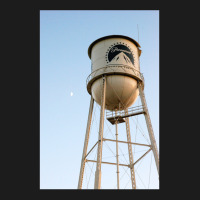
(111, 36)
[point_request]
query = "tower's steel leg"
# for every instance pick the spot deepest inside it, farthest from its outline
(86, 144)
(149, 126)
(97, 183)
(130, 151)
(117, 155)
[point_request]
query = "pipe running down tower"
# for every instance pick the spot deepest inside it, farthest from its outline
(115, 83)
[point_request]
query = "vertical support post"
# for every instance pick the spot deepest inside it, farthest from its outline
(130, 151)
(149, 126)
(97, 183)
(86, 144)
(117, 155)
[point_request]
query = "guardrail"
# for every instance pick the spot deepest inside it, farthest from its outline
(135, 72)
(122, 113)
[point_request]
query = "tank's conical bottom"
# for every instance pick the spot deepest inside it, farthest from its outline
(121, 92)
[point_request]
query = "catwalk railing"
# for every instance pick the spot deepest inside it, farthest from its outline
(116, 69)
(131, 111)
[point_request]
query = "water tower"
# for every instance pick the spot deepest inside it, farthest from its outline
(115, 83)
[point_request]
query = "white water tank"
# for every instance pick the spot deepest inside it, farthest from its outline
(117, 57)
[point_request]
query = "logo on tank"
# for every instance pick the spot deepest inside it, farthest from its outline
(119, 53)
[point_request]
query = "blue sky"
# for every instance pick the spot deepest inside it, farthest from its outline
(64, 67)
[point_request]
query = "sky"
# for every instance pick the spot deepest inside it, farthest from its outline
(65, 36)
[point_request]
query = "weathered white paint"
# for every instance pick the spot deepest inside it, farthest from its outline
(121, 90)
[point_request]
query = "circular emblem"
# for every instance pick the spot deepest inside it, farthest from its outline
(119, 53)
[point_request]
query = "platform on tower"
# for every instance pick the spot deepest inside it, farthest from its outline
(120, 116)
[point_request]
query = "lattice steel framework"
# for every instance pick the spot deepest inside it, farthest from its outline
(115, 119)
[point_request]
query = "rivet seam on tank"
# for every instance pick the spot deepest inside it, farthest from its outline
(112, 54)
